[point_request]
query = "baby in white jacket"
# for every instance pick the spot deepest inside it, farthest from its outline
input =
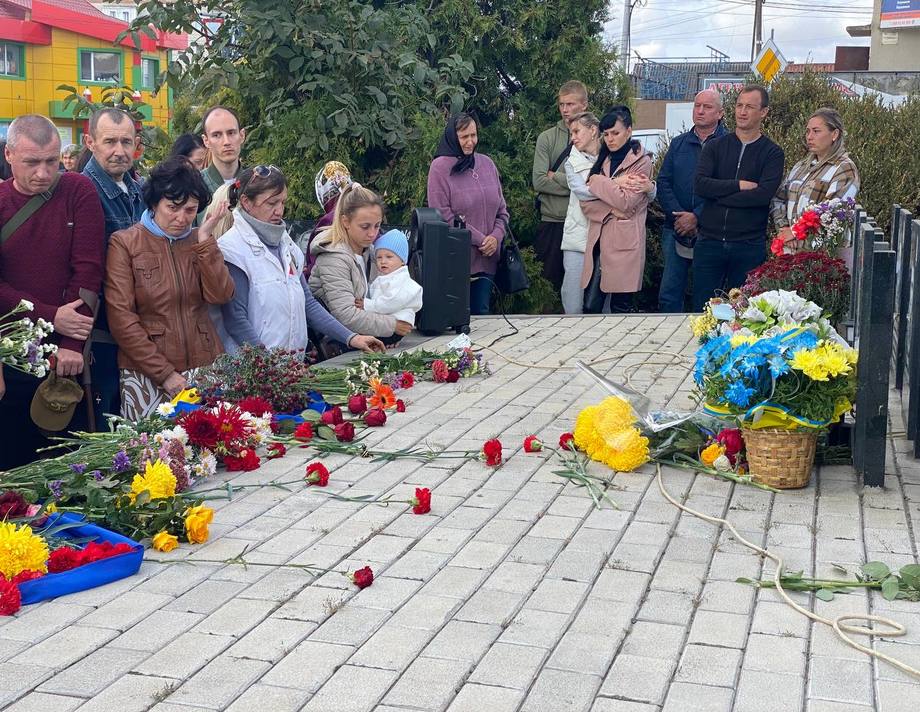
(393, 291)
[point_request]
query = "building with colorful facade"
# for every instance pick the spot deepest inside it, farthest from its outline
(47, 43)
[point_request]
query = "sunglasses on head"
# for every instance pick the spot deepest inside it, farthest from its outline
(261, 172)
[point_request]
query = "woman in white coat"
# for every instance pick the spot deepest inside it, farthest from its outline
(272, 303)
(586, 141)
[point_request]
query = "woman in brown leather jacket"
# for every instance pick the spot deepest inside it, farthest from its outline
(161, 276)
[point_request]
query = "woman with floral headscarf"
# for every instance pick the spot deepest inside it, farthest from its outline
(331, 180)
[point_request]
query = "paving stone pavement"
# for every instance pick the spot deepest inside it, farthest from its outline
(513, 594)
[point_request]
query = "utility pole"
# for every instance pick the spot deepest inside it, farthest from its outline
(757, 38)
(624, 36)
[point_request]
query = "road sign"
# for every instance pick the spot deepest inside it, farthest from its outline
(769, 62)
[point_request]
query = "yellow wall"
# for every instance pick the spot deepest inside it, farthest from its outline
(49, 66)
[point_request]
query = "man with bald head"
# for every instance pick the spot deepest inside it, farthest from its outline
(223, 137)
(50, 252)
(679, 201)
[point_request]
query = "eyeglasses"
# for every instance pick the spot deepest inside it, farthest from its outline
(265, 171)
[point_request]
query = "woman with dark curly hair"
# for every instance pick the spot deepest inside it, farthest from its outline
(162, 275)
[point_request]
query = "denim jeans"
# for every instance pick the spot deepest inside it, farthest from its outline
(573, 296)
(674, 278)
(480, 293)
(721, 265)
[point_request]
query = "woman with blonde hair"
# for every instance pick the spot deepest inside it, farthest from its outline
(827, 172)
(344, 266)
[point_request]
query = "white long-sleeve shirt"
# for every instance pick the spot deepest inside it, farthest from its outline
(396, 294)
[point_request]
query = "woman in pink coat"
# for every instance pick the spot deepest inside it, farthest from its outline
(620, 185)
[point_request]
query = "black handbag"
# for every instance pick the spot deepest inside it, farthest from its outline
(511, 276)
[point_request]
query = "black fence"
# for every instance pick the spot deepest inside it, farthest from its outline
(906, 352)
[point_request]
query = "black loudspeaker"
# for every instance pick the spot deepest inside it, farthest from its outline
(440, 262)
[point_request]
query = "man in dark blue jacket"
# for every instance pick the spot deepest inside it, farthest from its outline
(680, 203)
(738, 175)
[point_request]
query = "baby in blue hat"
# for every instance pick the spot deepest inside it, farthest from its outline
(393, 291)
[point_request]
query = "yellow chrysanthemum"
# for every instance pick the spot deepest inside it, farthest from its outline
(703, 324)
(625, 450)
(808, 362)
(21, 550)
(825, 361)
(157, 479)
(711, 454)
(613, 414)
(738, 339)
(605, 432)
(834, 359)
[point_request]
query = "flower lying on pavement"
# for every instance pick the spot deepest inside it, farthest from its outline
(317, 474)
(400, 406)
(492, 452)
(532, 444)
(567, 441)
(357, 404)
(375, 417)
(197, 520)
(362, 578)
(333, 416)
(304, 432)
(164, 541)
(276, 450)
(421, 503)
(344, 432)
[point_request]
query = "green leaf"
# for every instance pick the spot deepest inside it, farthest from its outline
(325, 432)
(890, 588)
(875, 570)
(311, 416)
(910, 574)
(824, 594)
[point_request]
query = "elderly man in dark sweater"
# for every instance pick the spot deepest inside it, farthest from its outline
(47, 260)
(737, 175)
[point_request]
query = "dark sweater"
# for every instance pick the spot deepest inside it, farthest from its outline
(730, 213)
(55, 252)
(677, 173)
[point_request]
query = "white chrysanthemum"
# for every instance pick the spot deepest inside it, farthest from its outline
(26, 304)
(722, 463)
(166, 409)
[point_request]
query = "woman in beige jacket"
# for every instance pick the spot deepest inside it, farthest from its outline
(344, 268)
(615, 249)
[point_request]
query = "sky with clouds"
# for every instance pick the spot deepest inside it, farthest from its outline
(804, 30)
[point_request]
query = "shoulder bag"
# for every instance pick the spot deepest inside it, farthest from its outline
(511, 276)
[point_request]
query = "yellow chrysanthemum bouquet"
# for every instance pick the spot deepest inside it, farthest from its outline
(607, 433)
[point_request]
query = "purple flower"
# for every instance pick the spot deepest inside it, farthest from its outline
(34, 354)
(121, 462)
(57, 488)
(78, 469)
(97, 475)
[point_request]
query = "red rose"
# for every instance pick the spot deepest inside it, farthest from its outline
(492, 450)
(246, 461)
(357, 404)
(63, 559)
(567, 441)
(362, 578)
(344, 432)
(439, 371)
(375, 417)
(400, 406)
(255, 405)
(304, 432)
(333, 416)
(453, 375)
(276, 450)
(11, 600)
(421, 503)
(317, 474)
(733, 442)
(407, 380)
(532, 444)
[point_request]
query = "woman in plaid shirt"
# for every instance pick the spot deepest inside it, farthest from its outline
(826, 172)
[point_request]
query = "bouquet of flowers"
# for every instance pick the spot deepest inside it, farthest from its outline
(773, 360)
(21, 344)
(822, 226)
(812, 275)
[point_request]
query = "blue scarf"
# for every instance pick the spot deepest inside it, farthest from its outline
(148, 222)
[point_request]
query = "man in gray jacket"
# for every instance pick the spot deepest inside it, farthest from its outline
(550, 184)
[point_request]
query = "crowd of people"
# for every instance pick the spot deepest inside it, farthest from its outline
(717, 190)
(148, 280)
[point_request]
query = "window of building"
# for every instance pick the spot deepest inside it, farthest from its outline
(11, 64)
(126, 16)
(150, 72)
(100, 66)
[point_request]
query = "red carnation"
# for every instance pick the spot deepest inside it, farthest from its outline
(421, 503)
(362, 578)
(357, 404)
(532, 444)
(276, 450)
(63, 559)
(407, 380)
(439, 371)
(246, 461)
(492, 450)
(202, 427)
(317, 474)
(333, 416)
(567, 441)
(12, 505)
(24, 576)
(11, 599)
(400, 406)
(375, 417)
(255, 405)
(304, 432)
(344, 432)
(453, 375)
(777, 246)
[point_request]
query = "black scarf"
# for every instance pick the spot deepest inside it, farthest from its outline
(616, 157)
(450, 146)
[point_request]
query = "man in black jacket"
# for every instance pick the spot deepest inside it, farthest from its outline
(737, 175)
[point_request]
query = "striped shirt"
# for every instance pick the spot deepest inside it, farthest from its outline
(811, 182)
